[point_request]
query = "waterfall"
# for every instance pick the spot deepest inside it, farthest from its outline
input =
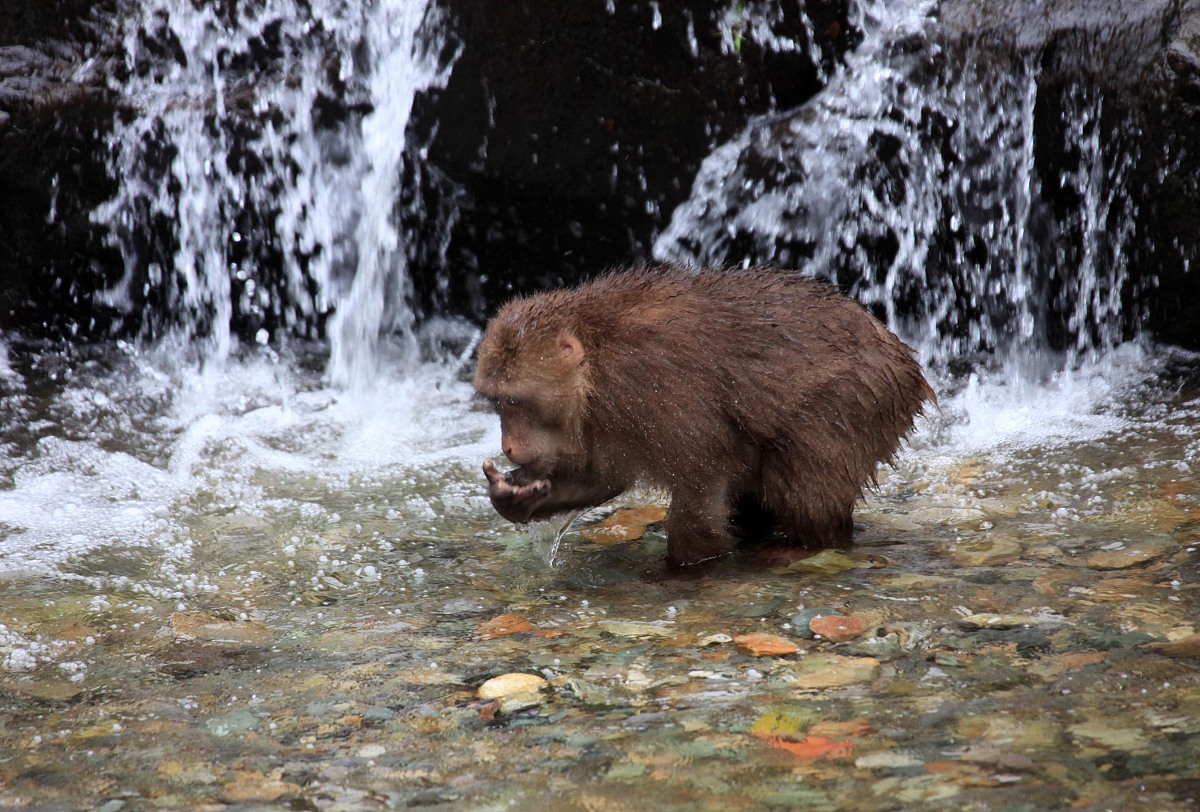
(258, 161)
(913, 181)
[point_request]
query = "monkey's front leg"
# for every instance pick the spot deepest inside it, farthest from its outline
(698, 525)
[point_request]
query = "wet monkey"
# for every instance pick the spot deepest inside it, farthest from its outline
(748, 394)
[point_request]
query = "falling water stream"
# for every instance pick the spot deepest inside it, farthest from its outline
(267, 575)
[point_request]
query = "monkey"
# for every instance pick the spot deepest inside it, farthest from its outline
(755, 396)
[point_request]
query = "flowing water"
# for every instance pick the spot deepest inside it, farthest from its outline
(268, 576)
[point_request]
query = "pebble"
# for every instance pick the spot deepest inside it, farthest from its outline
(1006, 621)
(988, 550)
(832, 671)
(762, 644)
(838, 628)
(802, 620)
(509, 684)
(211, 629)
(826, 562)
(628, 524)
(1128, 554)
(503, 625)
(1185, 647)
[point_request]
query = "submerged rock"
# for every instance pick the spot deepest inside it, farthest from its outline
(510, 684)
(817, 671)
(764, 645)
(1125, 554)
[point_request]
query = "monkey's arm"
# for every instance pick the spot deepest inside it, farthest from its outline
(521, 497)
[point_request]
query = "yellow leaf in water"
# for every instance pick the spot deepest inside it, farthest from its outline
(783, 723)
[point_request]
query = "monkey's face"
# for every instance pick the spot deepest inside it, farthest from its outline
(539, 391)
(533, 433)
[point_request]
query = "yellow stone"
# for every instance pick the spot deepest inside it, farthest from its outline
(510, 684)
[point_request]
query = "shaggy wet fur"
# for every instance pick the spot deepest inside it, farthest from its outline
(753, 391)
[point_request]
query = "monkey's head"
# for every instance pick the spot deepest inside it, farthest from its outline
(535, 372)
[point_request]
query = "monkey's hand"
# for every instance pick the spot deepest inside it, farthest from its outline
(515, 494)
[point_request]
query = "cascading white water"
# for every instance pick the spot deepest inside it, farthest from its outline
(911, 180)
(225, 126)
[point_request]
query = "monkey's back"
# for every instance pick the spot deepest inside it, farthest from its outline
(690, 366)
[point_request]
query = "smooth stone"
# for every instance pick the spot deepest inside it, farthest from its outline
(802, 619)
(1129, 554)
(984, 551)
(832, 671)
(509, 684)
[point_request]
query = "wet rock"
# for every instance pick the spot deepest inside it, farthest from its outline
(841, 730)
(628, 524)
(950, 516)
(988, 550)
(813, 747)
(469, 605)
(1120, 590)
(1008, 621)
(789, 721)
(888, 760)
(515, 703)
(250, 787)
(232, 724)
(589, 693)
(818, 671)
(757, 608)
(1185, 647)
(1023, 735)
(1151, 516)
(636, 628)
(838, 628)
(188, 660)
(202, 626)
(503, 625)
(510, 684)
(48, 691)
(802, 620)
(761, 644)
(826, 562)
(1123, 554)
(1109, 734)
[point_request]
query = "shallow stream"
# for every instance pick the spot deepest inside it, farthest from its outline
(239, 586)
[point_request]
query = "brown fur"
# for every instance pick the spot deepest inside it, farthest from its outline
(752, 390)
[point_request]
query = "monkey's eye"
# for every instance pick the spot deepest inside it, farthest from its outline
(491, 403)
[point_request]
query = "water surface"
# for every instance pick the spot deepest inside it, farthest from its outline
(238, 585)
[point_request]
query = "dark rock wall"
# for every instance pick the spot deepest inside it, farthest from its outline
(569, 132)
(52, 259)
(574, 130)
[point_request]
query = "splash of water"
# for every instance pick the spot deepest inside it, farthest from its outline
(250, 179)
(912, 180)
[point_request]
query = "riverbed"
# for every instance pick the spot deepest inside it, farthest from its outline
(231, 584)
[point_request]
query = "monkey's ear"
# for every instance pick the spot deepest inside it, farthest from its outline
(570, 348)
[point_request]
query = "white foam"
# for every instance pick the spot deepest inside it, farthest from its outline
(1017, 408)
(221, 433)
